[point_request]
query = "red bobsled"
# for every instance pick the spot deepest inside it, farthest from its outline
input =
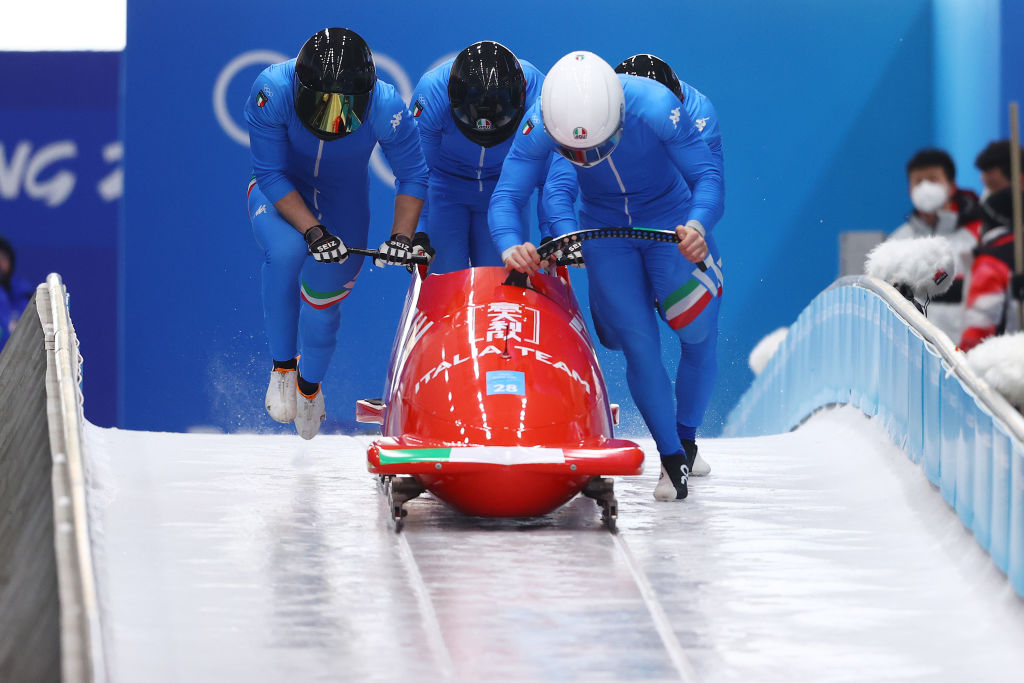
(494, 401)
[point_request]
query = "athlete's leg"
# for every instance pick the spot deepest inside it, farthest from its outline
(605, 334)
(448, 224)
(285, 252)
(324, 287)
(618, 283)
(698, 367)
(690, 301)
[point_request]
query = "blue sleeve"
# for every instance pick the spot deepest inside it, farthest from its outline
(556, 209)
(522, 171)
(266, 113)
(399, 138)
(691, 155)
(706, 121)
(429, 108)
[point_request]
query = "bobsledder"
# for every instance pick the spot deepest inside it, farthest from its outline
(494, 400)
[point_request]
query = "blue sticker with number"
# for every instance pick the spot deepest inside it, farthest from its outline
(506, 382)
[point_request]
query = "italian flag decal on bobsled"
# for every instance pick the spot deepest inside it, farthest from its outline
(391, 455)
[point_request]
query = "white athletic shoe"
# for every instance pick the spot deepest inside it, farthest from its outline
(309, 413)
(701, 468)
(281, 395)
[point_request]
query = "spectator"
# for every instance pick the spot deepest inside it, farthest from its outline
(992, 306)
(943, 210)
(994, 164)
(15, 292)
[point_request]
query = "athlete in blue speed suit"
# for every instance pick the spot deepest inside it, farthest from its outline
(661, 175)
(464, 172)
(303, 182)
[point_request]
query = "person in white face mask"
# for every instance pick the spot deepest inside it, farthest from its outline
(941, 209)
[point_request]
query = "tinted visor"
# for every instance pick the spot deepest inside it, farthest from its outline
(489, 118)
(591, 155)
(330, 115)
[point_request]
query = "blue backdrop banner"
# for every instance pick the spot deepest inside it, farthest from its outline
(820, 105)
(60, 188)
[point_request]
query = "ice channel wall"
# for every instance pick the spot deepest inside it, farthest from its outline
(860, 343)
(49, 621)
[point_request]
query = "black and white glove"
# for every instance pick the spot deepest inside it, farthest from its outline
(324, 246)
(396, 251)
(570, 254)
(421, 247)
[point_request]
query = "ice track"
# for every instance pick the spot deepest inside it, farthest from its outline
(819, 555)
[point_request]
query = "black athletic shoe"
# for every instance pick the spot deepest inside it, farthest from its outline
(675, 473)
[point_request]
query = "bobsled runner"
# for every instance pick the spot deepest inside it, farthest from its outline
(494, 400)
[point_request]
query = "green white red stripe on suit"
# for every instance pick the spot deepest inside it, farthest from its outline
(687, 302)
(322, 300)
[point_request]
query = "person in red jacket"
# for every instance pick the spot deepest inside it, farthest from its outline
(995, 292)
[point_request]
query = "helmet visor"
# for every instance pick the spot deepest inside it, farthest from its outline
(590, 156)
(488, 118)
(330, 114)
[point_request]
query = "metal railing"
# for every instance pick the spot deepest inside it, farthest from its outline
(81, 642)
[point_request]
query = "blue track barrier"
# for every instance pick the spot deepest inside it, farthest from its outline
(860, 343)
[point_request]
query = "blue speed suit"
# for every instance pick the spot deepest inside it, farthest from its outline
(463, 176)
(661, 174)
(333, 180)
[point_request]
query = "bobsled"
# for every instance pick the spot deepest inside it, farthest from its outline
(494, 401)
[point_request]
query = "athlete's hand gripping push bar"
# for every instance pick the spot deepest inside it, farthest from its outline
(420, 252)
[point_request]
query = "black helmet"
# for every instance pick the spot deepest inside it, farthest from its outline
(654, 68)
(487, 90)
(334, 78)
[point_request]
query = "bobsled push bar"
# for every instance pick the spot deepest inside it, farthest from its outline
(419, 239)
(548, 248)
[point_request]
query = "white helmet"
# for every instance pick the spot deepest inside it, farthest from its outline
(582, 105)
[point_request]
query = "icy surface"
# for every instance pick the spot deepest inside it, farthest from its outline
(819, 555)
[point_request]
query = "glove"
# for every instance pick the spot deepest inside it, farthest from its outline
(421, 247)
(325, 247)
(393, 252)
(568, 254)
(572, 255)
